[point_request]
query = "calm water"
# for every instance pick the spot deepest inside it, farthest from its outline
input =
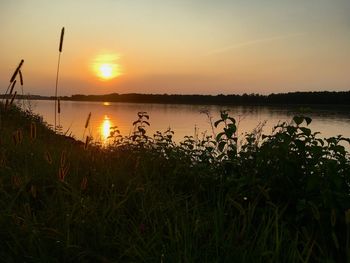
(182, 119)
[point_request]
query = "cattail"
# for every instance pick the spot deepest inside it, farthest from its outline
(12, 87)
(21, 80)
(62, 172)
(13, 97)
(16, 181)
(61, 40)
(48, 157)
(87, 120)
(16, 71)
(17, 137)
(86, 142)
(20, 135)
(20, 77)
(33, 191)
(63, 169)
(33, 130)
(83, 184)
(13, 77)
(2, 160)
(58, 69)
(59, 106)
(14, 137)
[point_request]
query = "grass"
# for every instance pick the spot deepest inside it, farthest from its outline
(280, 198)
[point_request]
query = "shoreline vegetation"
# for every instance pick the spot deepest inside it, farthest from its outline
(340, 98)
(282, 197)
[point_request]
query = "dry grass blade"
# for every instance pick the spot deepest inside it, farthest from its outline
(63, 158)
(83, 184)
(48, 157)
(20, 77)
(13, 97)
(12, 87)
(6, 104)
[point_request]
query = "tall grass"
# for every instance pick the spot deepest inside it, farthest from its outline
(57, 74)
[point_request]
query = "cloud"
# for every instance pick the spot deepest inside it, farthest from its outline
(252, 42)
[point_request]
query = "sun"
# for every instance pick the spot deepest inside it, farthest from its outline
(106, 66)
(106, 71)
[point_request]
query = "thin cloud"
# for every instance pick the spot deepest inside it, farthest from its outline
(253, 42)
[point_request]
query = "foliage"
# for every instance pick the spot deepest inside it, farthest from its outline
(282, 197)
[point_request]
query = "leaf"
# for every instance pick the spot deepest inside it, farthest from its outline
(308, 120)
(335, 240)
(221, 146)
(218, 137)
(146, 123)
(229, 132)
(217, 123)
(224, 115)
(291, 130)
(306, 131)
(135, 122)
(298, 120)
(232, 120)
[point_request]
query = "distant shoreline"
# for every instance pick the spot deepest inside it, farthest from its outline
(291, 98)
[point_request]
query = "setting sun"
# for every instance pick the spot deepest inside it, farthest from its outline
(106, 71)
(105, 66)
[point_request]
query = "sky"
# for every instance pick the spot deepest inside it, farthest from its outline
(177, 46)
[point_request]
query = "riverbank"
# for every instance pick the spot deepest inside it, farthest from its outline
(282, 198)
(339, 98)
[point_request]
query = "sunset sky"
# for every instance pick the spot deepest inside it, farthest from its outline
(177, 46)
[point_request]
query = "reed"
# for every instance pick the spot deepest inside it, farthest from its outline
(14, 75)
(86, 142)
(59, 111)
(57, 73)
(87, 124)
(33, 131)
(22, 83)
(13, 98)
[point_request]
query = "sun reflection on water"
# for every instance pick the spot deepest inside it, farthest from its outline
(105, 129)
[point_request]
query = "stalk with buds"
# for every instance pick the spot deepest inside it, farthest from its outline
(12, 80)
(58, 69)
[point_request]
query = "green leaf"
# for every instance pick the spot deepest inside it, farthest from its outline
(217, 123)
(306, 131)
(308, 120)
(232, 120)
(218, 137)
(224, 115)
(298, 120)
(221, 146)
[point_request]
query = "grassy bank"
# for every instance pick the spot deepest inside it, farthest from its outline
(279, 198)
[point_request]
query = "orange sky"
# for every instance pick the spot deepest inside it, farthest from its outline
(184, 46)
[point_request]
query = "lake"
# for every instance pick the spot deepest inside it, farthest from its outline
(183, 119)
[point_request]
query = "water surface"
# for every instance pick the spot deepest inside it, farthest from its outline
(184, 119)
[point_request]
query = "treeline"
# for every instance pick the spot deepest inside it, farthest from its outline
(324, 97)
(318, 97)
